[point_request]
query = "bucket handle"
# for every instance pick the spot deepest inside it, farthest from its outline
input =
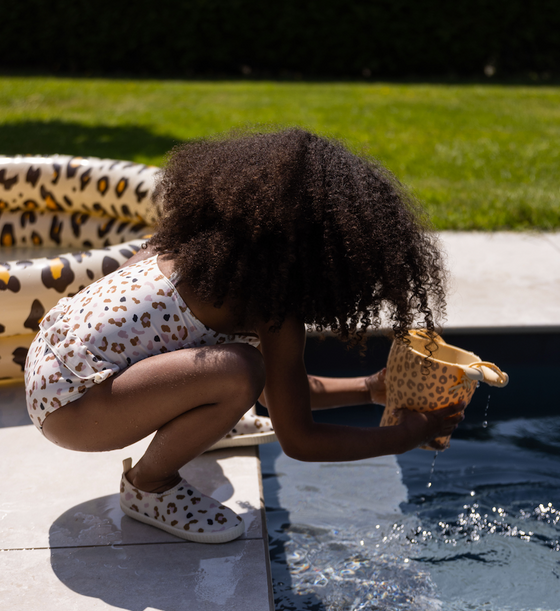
(425, 335)
(484, 371)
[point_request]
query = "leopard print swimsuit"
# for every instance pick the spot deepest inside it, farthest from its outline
(131, 314)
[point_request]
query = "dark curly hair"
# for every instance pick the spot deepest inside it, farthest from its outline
(293, 224)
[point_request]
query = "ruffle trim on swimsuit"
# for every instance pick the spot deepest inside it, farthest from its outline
(70, 349)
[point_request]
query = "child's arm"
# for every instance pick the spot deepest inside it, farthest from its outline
(337, 392)
(326, 393)
(288, 397)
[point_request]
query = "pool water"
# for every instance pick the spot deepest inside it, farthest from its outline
(486, 533)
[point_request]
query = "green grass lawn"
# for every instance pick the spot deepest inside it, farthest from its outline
(479, 156)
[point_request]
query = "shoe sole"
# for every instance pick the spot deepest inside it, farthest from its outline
(218, 537)
(254, 439)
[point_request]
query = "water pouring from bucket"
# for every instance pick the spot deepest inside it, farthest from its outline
(425, 373)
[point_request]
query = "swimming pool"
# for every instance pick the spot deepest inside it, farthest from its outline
(484, 535)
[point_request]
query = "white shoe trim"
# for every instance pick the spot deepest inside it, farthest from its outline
(253, 439)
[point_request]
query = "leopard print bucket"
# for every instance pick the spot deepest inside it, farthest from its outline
(422, 382)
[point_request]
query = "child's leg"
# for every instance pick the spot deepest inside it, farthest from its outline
(190, 397)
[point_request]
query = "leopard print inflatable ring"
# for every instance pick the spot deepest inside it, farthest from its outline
(87, 215)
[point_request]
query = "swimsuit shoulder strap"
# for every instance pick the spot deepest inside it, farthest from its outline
(175, 278)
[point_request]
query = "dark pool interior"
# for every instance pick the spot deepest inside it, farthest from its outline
(484, 535)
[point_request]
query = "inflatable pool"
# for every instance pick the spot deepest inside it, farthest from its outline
(89, 215)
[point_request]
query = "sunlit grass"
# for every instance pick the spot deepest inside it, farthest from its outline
(479, 157)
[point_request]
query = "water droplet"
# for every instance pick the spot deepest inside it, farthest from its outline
(485, 422)
(429, 484)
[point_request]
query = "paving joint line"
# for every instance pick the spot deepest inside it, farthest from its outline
(119, 545)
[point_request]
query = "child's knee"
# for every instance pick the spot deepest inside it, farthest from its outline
(249, 369)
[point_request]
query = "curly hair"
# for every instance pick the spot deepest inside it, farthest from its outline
(293, 224)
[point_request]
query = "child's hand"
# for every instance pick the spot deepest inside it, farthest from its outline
(376, 387)
(423, 427)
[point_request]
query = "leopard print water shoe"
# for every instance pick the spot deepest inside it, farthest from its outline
(182, 511)
(251, 430)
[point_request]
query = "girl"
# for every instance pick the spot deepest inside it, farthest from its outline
(260, 235)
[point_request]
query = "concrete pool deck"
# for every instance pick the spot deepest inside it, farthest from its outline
(503, 281)
(66, 544)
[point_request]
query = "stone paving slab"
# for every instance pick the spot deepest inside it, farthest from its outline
(64, 538)
(78, 499)
(163, 577)
(508, 281)
(554, 239)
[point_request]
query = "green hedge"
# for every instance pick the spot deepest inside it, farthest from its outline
(340, 38)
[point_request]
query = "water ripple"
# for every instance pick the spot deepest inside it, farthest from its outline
(382, 569)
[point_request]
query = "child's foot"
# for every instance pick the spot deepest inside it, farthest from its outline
(251, 430)
(182, 511)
